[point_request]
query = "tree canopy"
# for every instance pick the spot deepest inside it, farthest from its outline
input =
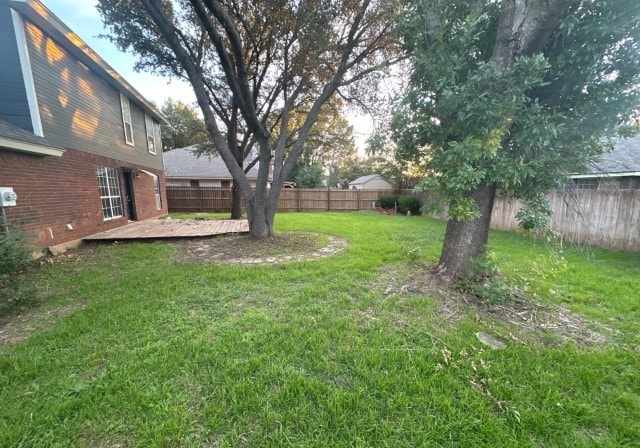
(512, 95)
(252, 64)
(185, 127)
(329, 144)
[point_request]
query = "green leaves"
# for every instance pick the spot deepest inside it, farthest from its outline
(522, 125)
(185, 127)
(310, 176)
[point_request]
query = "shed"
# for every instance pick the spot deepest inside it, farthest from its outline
(370, 182)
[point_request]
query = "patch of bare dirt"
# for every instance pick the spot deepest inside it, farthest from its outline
(541, 323)
(294, 246)
(16, 327)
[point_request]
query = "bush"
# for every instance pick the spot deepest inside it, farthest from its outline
(482, 279)
(408, 204)
(310, 176)
(15, 251)
(15, 255)
(388, 202)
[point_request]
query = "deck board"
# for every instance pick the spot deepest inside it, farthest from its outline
(172, 228)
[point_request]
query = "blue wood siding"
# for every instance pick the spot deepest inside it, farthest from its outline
(14, 106)
(79, 109)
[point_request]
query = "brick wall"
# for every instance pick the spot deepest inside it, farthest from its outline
(54, 192)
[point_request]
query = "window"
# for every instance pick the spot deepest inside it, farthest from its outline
(126, 119)
(151, 138)
(158, 135)
(586, 183)
(109, 193)
(156, 190)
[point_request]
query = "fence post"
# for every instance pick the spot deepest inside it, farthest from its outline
(298, 198)
(328, 199)
(358, 199)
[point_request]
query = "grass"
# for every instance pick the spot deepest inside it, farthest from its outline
(313, 354)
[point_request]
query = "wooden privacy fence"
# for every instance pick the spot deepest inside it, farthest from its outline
(211, 199)
(605, 218)
(198, 199)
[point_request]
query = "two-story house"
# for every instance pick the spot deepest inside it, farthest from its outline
(79, 145)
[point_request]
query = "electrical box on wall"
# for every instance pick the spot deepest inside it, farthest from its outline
(7, 197)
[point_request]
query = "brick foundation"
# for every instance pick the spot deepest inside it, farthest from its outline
(57, 192)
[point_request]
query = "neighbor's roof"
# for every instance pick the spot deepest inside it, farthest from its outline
(37, 13)
(365, 179)
(624, 158)
(182, 163)
(15, 138)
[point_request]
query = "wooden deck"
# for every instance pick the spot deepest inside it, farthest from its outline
(172, 228)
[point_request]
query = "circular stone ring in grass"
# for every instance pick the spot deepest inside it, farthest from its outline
(282, 247)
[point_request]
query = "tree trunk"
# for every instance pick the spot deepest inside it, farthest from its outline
(523, 29)
(236, 202)
(466, 240)
(260, 216)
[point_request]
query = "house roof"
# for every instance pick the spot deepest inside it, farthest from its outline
(624, 158)
(182, 163)
(15, 138)
(365, 179)
(37, 13)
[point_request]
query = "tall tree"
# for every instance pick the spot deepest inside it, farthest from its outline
(251, 63)
(185, 128)
(330, 142)
(310, 176)
(512, 95)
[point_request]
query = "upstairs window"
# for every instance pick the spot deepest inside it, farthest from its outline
(158, 136)
(126, 119)
(151, 137)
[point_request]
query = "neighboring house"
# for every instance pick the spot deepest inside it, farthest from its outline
(80, 147)
(370, 182)
(183, 168)
(617, 169)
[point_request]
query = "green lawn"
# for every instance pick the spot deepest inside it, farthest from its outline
(156, 352)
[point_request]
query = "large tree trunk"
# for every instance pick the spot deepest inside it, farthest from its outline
(523, 29)
(466, 240)
(260, 216)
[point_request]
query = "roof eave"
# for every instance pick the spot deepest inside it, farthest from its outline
(30, 148)
(600, 175)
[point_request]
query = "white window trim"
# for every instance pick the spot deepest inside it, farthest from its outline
(158, 195)
(158, 135)
(126, 113)
(157, 192)
(148, 123)
(27, 74)
(105, 170)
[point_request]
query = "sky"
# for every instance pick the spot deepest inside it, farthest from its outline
(83, 19)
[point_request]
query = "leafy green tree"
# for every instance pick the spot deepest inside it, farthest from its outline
(512, 95)
(329, 144)
(310, 176)
(252, 65)
(185, 127)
